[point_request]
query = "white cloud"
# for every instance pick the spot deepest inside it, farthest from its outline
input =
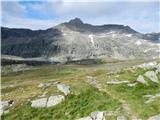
(142, 16)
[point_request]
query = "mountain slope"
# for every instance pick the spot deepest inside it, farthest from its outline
(76, 40)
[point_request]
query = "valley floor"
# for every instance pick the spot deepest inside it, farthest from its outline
(111, 88)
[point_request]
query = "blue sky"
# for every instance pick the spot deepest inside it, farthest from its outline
(141, 15)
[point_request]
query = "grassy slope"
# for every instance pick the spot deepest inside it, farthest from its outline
(84, 98)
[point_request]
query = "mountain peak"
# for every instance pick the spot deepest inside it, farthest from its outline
(75, 21)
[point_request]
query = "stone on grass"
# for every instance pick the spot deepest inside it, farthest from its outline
(140, 79)
(112, 82)
(39, 103)
(97, 115)
(63, 88)
(54, 100)
(149, 65)
(158, 68)
(152, 76)
(43, 85)
(121, 118)
(156, 117)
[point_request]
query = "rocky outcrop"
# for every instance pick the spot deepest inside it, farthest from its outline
(54, 100)
(75, 40)
(64, 88)
(47, 102)
(152, 76)
(141, 79)
(42, 102)
(113, 82)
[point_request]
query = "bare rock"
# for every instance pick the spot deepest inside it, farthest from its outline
(43, 85)
(54, 100)
(97, 115)
(42, 102)
(64, 88)
(140, 79)
(112, 82)
(152, 76)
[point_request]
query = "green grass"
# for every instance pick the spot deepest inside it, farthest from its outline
(74, 106)
(84, 98)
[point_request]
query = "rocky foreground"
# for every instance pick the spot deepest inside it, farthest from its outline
(129, 92)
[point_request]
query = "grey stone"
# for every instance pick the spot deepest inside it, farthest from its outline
(156, 117)
(117, 82)
(152, 76)
(42, 102)
(43, 85)
(63, 88)
(140, 79)
(97, 115)
(54, 100)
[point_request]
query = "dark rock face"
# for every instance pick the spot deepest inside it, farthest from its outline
(75, 40)
(27, 43)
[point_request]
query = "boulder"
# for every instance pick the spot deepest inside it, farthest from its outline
(149, 65)
(63, 88)
(140, 79)
(42, 102)
(121, 118)
(152, 76)
(158, 68)
(97, 115)
(156, 117)
(54, 100)
(117, 82)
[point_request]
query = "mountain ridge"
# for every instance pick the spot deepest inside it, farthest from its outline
(75, 40)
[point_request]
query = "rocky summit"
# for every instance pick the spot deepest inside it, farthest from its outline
(76, 40)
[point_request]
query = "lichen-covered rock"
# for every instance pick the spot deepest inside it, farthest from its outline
(152, 76)
(97, 115)
(54, 100)
(117, 82)
(39, 103)
(64, 88)
(140, 79)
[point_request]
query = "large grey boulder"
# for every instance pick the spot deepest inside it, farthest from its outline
(54, 100)
(97, 115)
(64, 88)
(152, 76)
(42, 102)
(156, 117)
(140, 79)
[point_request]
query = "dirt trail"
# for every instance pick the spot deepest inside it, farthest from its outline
(126, 107)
